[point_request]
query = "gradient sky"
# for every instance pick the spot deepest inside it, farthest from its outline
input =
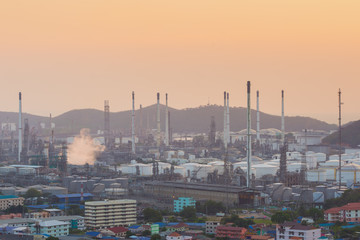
(71, 54)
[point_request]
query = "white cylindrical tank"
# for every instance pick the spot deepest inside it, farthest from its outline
(316, 175)
(163, 166)
(6, 170)
(318, 197)
(349, 173)
(264, 169)
(294, 167)
(180, 170)
(27, 171)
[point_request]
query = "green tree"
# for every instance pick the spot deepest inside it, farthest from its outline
(152, 215)
(75, 210)
(282, 216)
(210, 207)
(238, 222)
(146, 233)
(316, 214)
(128, 234)
(32, 192)
(155, 237)
(17, 209)
(188, 213)
(52, 238)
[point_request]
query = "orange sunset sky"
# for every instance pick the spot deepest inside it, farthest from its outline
(71, 54)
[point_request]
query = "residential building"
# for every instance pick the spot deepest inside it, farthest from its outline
(183, 202)
(295, 230)
(54, 228)
(347, 213)
(211, 227)
(110, 213)
(76, 222)
(7, 201)
(177, 236)
(230, 232)
(155, 229)
(180, 227)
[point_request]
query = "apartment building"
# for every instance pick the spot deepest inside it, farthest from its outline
(295, 230)
(347, 213)
(210, 227)
(183, 202)
(53, 228)
(7, 201)
(110, 213)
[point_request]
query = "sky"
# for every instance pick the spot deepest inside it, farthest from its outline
(74, 54)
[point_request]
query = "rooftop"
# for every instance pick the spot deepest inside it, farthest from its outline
(110, 202)
(8, 196)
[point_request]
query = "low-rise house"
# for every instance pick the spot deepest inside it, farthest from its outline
(118, 231)
(177, 236)
(180, 227)
(295, 230)
(347, 213)
(230, 232)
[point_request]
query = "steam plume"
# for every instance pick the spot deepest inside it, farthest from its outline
(83, 149)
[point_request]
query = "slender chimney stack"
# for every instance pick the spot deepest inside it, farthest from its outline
(133, 124)
(225, 123)
(158, 121)
(20, 129)
(82, 192)
(248, 183)
(228, 118)
(282, 117)
(166, 123)
(257, 117)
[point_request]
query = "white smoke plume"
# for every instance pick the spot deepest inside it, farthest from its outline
(83, 149)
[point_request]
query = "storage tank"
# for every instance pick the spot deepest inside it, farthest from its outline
(306, 196)
(294, 167)
(107, 182)
(330, 193)
(264, 169)
(26, 171)
(316, 175)
(277, 193)
(7, 170)
(318, 197)
(180, 170)
(123, 181)
(90, 184)
(287, 194)
(321, 188)
(163, 167)
(330, 172)
(67, 180)
(349, 172)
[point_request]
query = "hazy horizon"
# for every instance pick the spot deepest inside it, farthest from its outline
(65, 55)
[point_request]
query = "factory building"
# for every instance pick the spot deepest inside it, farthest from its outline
(110, 213)
(231, 195)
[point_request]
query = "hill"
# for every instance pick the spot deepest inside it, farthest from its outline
(184, 120)
(350, 135)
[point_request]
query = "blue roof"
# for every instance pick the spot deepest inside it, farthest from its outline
(8, 196)
(190, 224)
(161, 224)
(93, 234)
(60, 206)
(326, 224)
(74, 195)
(134, 227)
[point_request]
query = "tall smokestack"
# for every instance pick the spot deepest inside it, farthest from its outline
(20, 129)
(166, 123)
(133, 124)
(282, 117)
(248, 137)
(225, 123)
(228, 118)
(141, 130)
(158, 121)
(257, 117)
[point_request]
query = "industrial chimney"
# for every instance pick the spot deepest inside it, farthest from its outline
(166, 122)
(257, 117)
(248, 179)
(20, 129)
(228, 118)
(225, 123)
(158, 121)
(282, 117)
(133, 124)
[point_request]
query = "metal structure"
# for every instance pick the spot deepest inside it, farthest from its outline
(248, 179)
(107, 124)
(25, 149)
(166, 122)
(283, 163)
(20, 129)
(133, 150)
(212, 134)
